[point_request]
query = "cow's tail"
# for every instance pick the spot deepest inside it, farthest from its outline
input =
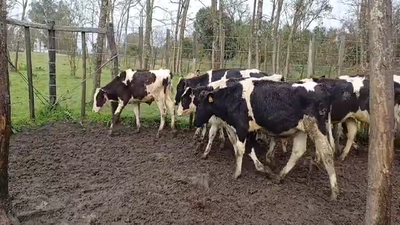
(167, 83)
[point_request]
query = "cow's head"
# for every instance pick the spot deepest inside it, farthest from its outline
(186, 104)
(204, 109)
(180, 89)
(99, 99)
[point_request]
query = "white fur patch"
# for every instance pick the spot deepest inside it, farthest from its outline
(95, 108)
(129, 76)
(273, 77)
(396, 78)
(307, 80)
(246, 73)
(309, 86)
(248, 88)
(357, 83)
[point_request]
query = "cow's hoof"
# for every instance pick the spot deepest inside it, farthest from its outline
(236, 175)
(222, 145)
(276, 179)
(158, 135)
(137, 130)
(110, 133)
(174, 132)
(333, 197)
(204, 156)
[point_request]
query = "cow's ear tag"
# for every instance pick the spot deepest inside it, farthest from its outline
(210, 99)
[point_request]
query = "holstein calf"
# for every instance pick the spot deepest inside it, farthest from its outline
(278, 109)
(350, 102)
(135, 87)
(189, 101)
(211, 76)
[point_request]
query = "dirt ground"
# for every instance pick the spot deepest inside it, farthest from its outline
(65, 174)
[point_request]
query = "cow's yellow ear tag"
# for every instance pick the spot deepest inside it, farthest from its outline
(210, 99)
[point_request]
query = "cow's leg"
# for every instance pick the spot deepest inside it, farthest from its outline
(170, 105)
(116, 115)
(136, 111)
(240, 146)
(211, 135)
(232, 137)
(271, 151)
(325, 151)
(329, 127)
(284, 143)
(260, 167)
(221, 137)
(191, 120)
(197, 132)
(114, 106)
(161, 108)
(299, 148)
(351, 134)
(338, 134)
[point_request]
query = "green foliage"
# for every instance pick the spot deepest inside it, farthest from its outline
(45, 11)
(204, 28)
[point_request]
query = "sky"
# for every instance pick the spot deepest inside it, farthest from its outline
(161, 6)
(339, 11)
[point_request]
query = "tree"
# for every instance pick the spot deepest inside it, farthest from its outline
(100, 44)
(147, 35)
(5, 120)
(258, 32)
(380, 152)
(24, 4)
(203, 26)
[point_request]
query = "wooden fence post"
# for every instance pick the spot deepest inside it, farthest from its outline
(141, 47)
(113, 49)
(194, 52)
(29, 72)
(167, 47)
(222, 49)
(52, 63)
(84, 57)
(311, 57)
(342, 39)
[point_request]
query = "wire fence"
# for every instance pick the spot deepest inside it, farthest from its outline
(162, 51)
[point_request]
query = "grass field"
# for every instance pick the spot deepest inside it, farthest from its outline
(68, 94)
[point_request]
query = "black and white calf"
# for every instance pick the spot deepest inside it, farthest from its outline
(189, 101)
(211, 76)
(278, 109)
(350, 102)
(135, 87)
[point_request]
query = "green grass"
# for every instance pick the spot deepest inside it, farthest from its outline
(68, 94)
(69, 91)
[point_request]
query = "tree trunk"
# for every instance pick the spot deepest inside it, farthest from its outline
(380, 152)
(249, 56)
(363, 28)
(214, 53)
(296, 19)
(19, 32)
(100, 45)
(258, 28)
(221, 34)
(126, 35)
(175, 51)
(275, 36)
(5, 118)
(182, 35)
(147, 35)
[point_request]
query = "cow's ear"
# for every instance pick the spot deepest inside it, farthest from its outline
(197, 72)
(210, 97)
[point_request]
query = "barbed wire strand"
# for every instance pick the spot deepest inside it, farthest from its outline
(90, 75)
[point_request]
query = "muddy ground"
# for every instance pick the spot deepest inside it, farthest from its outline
(65, 174)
